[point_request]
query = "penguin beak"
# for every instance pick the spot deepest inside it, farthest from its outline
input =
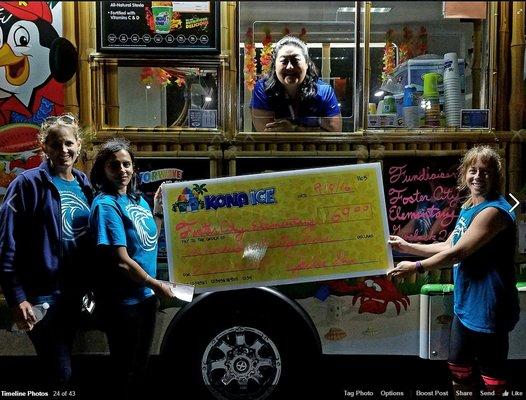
(17, 68)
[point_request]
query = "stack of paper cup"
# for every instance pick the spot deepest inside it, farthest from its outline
(410, 110)
(431, 96)
(452, 95)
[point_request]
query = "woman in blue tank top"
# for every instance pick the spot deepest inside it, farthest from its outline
(481, 251)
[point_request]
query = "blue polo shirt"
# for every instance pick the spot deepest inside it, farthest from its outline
(324, 104)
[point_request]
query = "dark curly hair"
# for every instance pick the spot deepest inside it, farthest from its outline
(98, 178)
(307, 89)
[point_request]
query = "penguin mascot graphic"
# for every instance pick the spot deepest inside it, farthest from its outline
(34, 62)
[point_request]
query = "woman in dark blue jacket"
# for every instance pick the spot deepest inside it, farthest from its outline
(44, 245)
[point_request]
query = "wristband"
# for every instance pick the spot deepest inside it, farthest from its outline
(419, 268)
(158, 215)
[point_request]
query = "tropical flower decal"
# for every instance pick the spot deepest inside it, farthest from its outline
(389, 59)
(151, 75)
(266, 54)
(250, 60)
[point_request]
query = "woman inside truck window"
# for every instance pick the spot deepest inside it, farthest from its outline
(44, 248)
(481, 250)
(292, 98)
(126, 235)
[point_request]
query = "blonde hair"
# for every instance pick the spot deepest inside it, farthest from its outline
(51, 123)
(492, 159)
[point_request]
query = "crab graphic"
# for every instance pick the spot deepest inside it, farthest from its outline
(376, 293)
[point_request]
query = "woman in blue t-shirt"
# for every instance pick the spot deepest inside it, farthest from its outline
(126, 235)
(481, 250)
(292, 98)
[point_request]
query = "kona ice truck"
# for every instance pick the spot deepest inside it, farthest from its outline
(285, 266)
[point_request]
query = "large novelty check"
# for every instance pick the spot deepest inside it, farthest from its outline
(277, 228)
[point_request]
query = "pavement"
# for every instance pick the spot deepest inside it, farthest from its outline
(337, 377)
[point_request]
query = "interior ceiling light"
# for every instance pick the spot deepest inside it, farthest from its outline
(373, 9)
(319, 45)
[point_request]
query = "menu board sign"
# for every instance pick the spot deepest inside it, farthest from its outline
(158, 26)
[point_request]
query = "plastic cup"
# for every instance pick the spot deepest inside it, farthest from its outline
(162, 16)
(411, 116)
(380, 108)
(431, 80)
(432, 117)
(389, 105)
(409, 96)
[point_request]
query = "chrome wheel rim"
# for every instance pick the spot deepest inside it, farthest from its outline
(241, 363)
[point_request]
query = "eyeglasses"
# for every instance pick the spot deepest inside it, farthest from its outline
(66, 119)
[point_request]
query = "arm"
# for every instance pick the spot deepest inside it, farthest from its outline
(418, 249)
(262, 113)
(260, 118)
(332, 121)
(484, 228)
(332, 124)
(12, 211)
(328, 124)
(135, 272)
(158, 209)
(107, 226)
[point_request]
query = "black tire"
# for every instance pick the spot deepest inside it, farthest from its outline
(236, 347)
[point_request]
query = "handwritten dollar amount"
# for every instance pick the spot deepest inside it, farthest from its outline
(344, 213)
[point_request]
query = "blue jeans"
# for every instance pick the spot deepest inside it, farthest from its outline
(130, 330)
(53, 337)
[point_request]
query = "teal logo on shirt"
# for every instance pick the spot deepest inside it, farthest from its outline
(140, 217)
(74, 216)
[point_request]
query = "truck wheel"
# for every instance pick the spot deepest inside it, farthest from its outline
(228, 349)
(241, 362)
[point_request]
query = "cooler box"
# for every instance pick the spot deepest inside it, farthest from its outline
(436, 314)
(517, 335)
(411, 71)
(383, 121)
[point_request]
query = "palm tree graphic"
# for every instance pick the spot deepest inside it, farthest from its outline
(200, 190)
